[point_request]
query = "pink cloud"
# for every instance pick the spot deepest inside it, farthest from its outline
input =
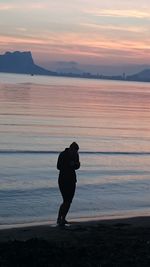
(22, 6)
(120, 13)
(4, 6)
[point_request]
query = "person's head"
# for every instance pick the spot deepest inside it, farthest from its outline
(74, 147)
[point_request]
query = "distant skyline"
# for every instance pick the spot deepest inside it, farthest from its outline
(95, 32)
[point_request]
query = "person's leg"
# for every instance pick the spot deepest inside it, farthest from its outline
(62, 189)
(59, 214)
(63, 210)
(67, 192)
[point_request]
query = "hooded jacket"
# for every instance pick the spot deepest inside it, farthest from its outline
(67, 165)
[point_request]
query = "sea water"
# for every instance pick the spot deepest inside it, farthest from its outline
(41, 115)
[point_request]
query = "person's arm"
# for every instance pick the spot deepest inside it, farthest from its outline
(63, 162)
(60, 162)
(77, 162)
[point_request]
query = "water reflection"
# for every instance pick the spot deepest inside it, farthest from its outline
(15, 93)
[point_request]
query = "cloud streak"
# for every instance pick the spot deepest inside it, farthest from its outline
(6, 6)
(23, 6)
(77, 30)
(118, 13)
(110, 27)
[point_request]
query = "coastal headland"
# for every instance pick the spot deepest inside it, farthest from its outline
(23, 63)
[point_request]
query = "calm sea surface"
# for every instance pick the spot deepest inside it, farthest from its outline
(40, 116)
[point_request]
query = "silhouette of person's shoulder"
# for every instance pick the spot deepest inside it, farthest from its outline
(64, 152)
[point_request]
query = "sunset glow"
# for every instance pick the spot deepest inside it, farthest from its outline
(77, 30)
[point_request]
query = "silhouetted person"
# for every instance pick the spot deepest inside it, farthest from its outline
(68, 162)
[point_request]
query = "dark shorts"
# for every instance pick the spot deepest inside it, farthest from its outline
(67, 190)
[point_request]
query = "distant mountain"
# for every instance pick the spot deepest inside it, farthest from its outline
(143, 76)
(69, 67)
(21, 62)
(109, 70)
(72, 70)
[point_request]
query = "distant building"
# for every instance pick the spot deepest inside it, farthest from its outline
(124, 76)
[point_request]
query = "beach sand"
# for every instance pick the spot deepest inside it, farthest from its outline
(118, 242)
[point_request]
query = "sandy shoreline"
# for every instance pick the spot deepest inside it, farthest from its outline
(50, 231)
(116, 242)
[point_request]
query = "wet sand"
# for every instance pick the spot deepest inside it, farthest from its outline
(118, 242)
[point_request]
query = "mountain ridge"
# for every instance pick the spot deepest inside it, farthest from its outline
(142, 76)
(22, 62)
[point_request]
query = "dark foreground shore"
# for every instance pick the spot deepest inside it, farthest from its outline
(119, 243)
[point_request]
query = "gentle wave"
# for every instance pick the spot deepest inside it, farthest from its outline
(81, 152)
(27, 191)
